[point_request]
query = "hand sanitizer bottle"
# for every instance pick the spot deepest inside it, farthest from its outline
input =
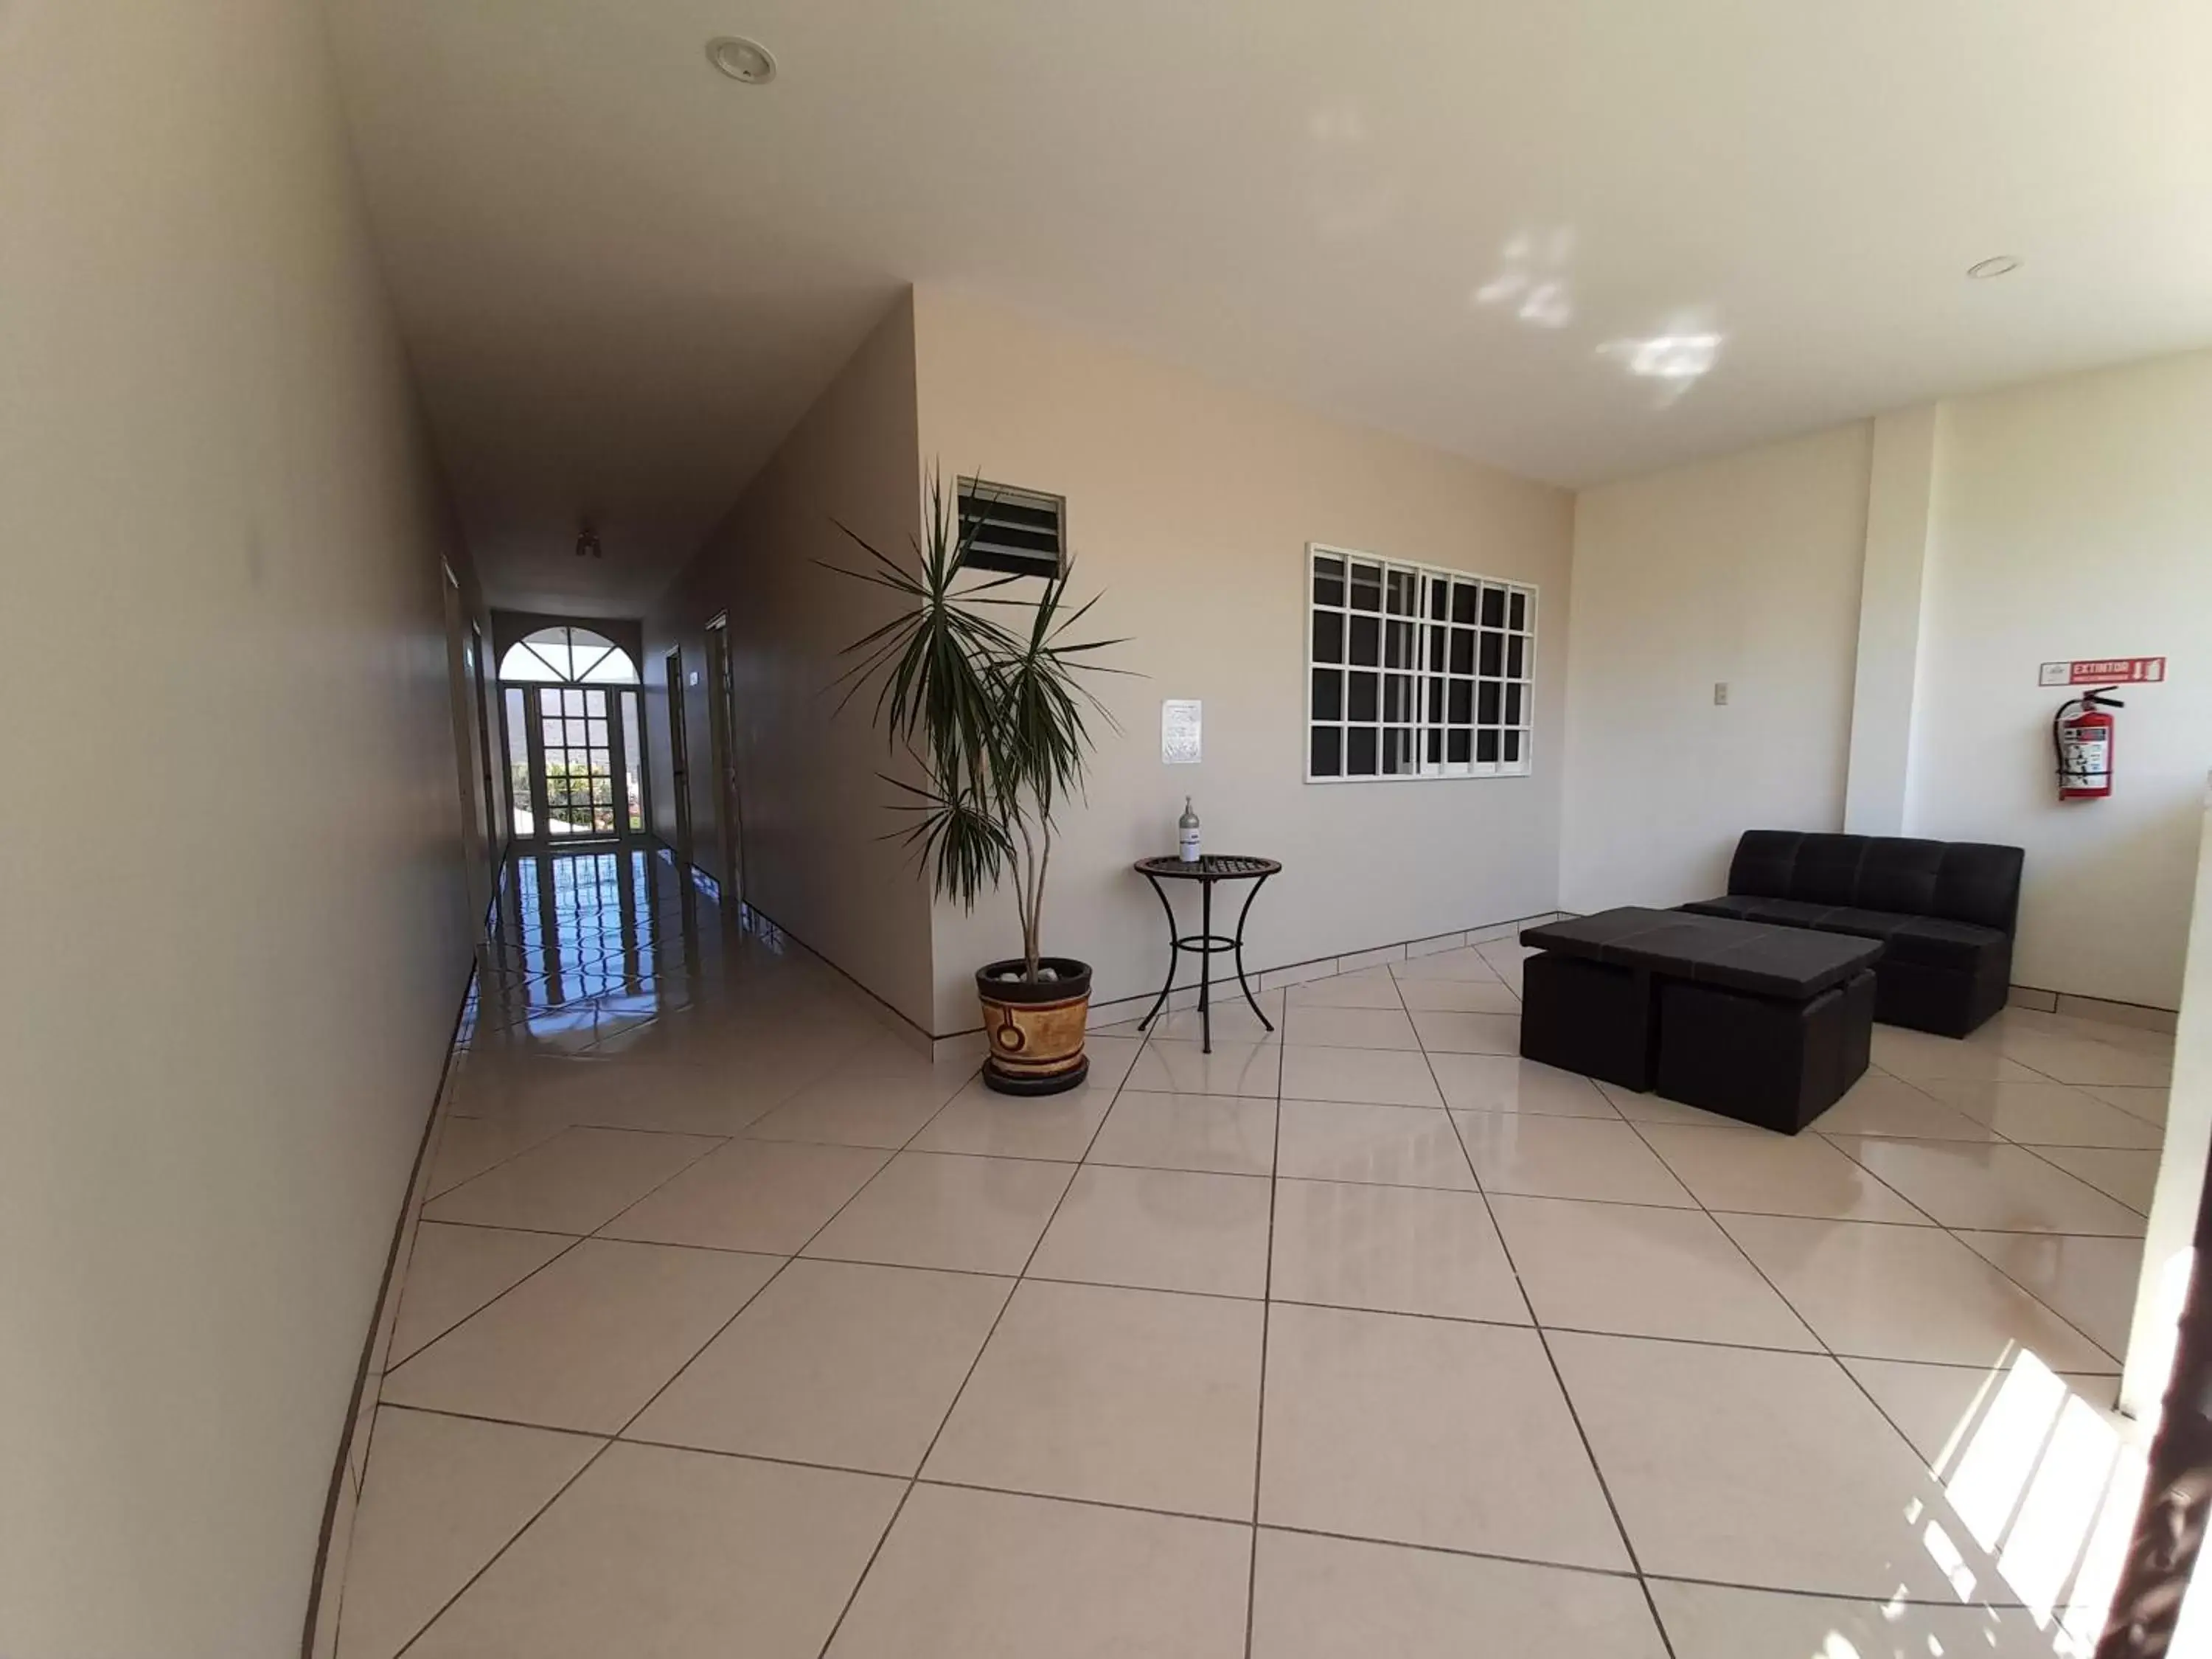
(1188, 824)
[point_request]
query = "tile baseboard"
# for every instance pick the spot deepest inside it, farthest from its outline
(2139, 1015)
(1300, 973)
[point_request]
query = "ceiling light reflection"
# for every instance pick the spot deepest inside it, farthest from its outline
(1531, 278)
(1674, 358)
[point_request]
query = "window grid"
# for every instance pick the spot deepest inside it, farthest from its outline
(1413, 672)
(579, 762)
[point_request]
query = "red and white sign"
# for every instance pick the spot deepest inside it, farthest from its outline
(2104, 670)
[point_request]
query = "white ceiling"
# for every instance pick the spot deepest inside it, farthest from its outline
(623, 275)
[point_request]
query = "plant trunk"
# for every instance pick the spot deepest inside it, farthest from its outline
(1025, 900)
(1033, 933)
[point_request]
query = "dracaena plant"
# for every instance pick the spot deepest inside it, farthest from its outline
(978, 678)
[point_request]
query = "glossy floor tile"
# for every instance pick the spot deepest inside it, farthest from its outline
(979, 1215)
(447, 1495)
(737, 1324)
(573, 1183)
(1506, 1082)
(1160, 1229)
(1540, 1157)
(2038, 1113)
(585, 1341)
(680, 1554)
(1640, 1270)
(834, 1363)
(1713, 1456)
(1120, 1397)
(2090, 1282)
(1311, 1025)
(1388, 1145)
(1226, 1134)
(1999, 1187)
(1427, 1431)
(1713, 1621)
(1905, 1293)
(452, 1271)
(2127, 1175)
(1734, 1168)
(1326, 1598)
(1393, 1249)
(983, 1575)
(768, 1195)
(1372, 1077)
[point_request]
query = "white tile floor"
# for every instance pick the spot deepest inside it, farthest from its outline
(736, 1326)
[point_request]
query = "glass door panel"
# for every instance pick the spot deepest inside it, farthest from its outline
(579, 762)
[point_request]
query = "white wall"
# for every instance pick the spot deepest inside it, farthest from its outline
(1190, 507)
(814, 815)
(2170, 1235)
(1746, 570)
(2073, 518)
(2070, 518)
(231, 875)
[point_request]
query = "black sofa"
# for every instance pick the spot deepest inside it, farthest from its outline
(1944, 911)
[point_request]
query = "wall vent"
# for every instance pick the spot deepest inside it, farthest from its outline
(1019, 532)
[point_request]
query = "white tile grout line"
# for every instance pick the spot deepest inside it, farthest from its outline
(1121, 1086)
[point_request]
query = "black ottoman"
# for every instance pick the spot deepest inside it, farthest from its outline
(1587, 1017)
(1762, 1060)
(1765, 1024)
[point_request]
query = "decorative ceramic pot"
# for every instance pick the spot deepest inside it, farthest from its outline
(1035, 1030)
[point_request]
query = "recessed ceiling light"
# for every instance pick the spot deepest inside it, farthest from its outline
(2002, 264)
(742, 59)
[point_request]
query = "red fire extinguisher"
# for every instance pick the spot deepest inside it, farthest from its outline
(2084, 744)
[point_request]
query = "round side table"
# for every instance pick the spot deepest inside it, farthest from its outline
(1207, 871)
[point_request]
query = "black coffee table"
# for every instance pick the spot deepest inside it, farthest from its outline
(1214, 866)
(1769, 1025)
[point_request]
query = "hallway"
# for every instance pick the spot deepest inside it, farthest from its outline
(735, 1326)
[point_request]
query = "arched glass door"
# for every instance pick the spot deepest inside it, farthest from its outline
(574, 736)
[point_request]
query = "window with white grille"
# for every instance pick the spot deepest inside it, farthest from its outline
(1413, 672)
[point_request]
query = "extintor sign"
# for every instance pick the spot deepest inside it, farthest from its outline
(2103, 671)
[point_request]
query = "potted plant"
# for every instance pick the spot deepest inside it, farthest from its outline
(980, 685)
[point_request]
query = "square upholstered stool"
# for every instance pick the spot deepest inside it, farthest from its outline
(1766, 1060)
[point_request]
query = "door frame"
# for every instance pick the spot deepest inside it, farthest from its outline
(722, 717)
(499, 828)
(679, 750)
(542, 838)
(473, 836)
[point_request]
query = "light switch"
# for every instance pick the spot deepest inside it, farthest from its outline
(1720, 694)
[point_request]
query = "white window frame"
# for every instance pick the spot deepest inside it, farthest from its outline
(1432, 680)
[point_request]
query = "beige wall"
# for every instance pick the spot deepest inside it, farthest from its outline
(233, 884)
(1190, 507)
(2073, 518)
(1743, 570)
(813, 802)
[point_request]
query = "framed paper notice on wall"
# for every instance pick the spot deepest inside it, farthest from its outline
(1179, 731)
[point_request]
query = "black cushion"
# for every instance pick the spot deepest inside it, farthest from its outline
(1935, 942)
(1789, 963)
(1958, 881)
(1787, 912)
(1980, 884)
(1865, 924)
(1931, 941)
(1765, 862)
(1900, 874)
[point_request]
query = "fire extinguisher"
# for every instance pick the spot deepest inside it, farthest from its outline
(2084, 744)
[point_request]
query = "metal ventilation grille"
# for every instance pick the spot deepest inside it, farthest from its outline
(1015, 530)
